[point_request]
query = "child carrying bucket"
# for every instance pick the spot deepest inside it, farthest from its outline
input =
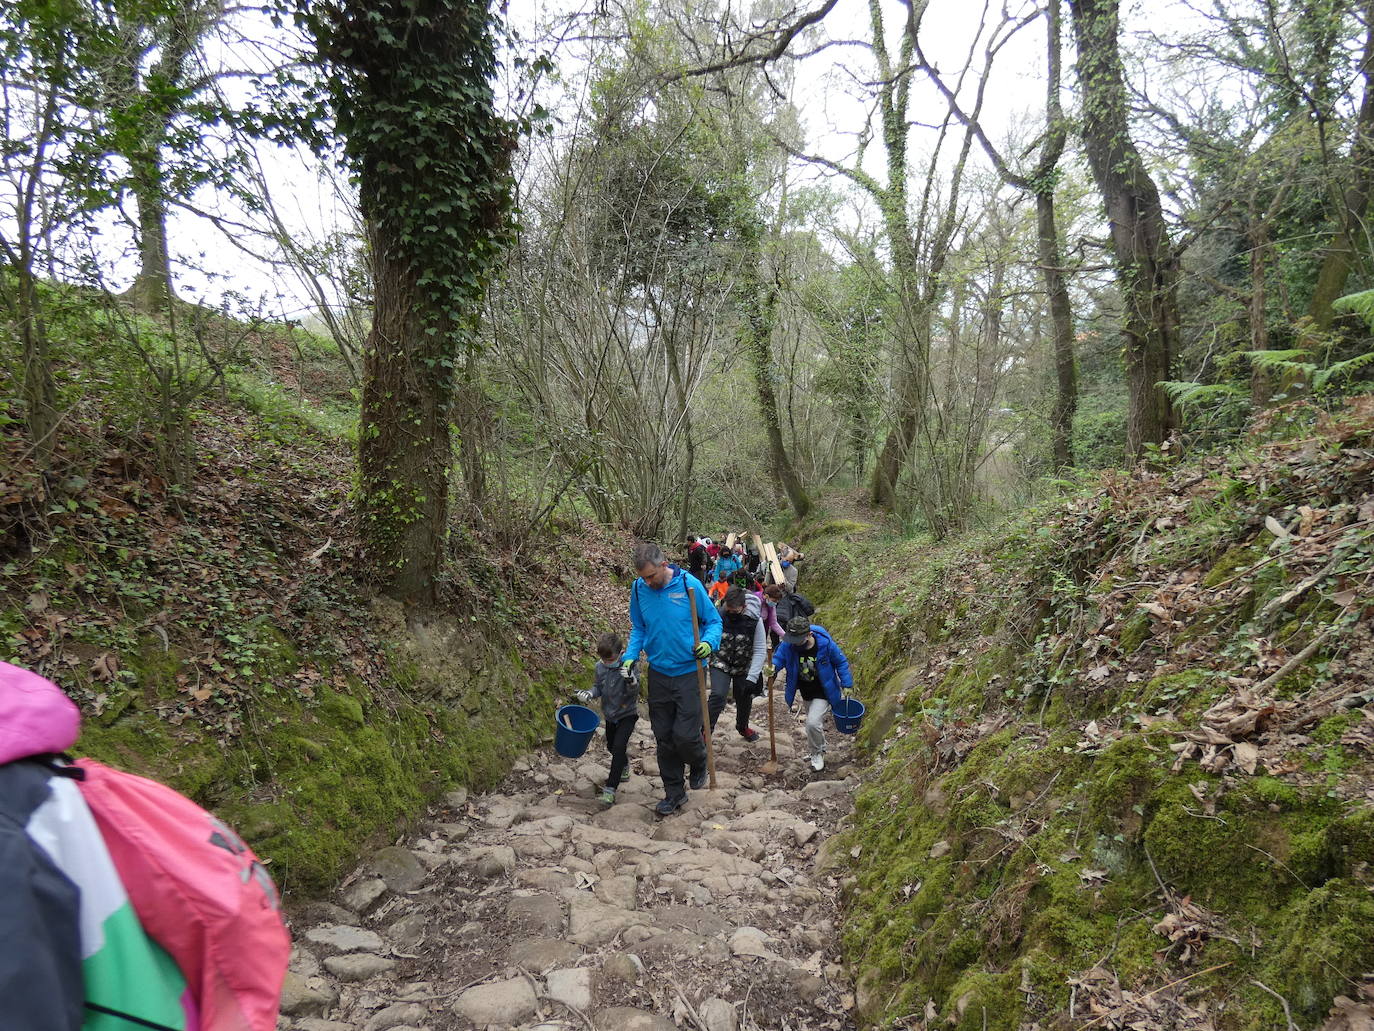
(619, 696)
(818, 679)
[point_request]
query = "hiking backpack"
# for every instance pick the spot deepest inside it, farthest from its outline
(198, 891)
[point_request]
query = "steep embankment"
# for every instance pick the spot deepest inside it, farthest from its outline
(217, 634)
(1122, 751)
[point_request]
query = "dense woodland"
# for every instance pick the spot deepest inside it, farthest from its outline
(615, 263)
(347, 347)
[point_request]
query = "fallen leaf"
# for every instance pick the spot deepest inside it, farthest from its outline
(1246, 756)
(1275, 527)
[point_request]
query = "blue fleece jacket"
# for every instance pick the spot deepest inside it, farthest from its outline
(726, 565)
(831, 666)
(661, 624)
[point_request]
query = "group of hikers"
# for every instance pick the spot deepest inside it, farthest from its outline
(738, 620)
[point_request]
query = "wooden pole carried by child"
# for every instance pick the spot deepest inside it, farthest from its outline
(701, 687)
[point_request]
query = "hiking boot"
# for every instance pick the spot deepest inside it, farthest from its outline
(608, 796)
(670, 805)
(697, 781)
(624, 775)
(818, 761)
(749, 734)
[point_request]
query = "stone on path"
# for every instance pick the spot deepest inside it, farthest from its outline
(316, 1024)
(343, 938)
(399, 868)
(409, 931)
(361, 894)
(573, 988)
(396, 1015)
(750, 941)
(495, 861)
(539, 954)
(542, 914)
(500, 1002)
(300, 997)
(718, 1015)
(621, 966)
(591, 922)
(626, 1018)
(358, 966)
(618, 891)
(825, 789)
(545, 878)
(457, 798)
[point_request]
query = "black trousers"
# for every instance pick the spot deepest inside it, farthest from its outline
(618, 744)
(675, 716)
(744, 688)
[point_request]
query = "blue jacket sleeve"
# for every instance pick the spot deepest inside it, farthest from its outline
(841, 664)
(782, 657)
(636, 643)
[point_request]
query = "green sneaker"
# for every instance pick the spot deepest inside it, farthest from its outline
(608, 796)
(625, 775)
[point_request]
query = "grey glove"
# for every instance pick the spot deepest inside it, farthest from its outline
(583, 696)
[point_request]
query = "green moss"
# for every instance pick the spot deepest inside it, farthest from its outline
(341, 709)
(982, 1000)
(1233, 561)
(1325, 940)
(1135, 632)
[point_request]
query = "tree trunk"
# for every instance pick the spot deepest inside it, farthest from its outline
(1061, 318)
(1260, 386)
(1343, 250)
(759, 304)
(40, 393)
(887, 470)
(152, 289)
(1147, 271)
(404, 445)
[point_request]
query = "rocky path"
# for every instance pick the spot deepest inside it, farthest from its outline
(536, 907)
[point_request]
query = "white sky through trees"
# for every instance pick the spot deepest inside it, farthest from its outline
(830, 88)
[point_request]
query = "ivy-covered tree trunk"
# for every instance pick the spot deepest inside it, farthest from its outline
(1061, 321)
(411, 87)
(1147, 271)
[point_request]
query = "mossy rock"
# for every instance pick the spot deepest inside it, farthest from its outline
(1323, 942)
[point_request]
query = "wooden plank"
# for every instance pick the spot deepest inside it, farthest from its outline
(774, 566)
(758, 544)
(730, 541)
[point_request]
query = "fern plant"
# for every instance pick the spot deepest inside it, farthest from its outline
(1187, 394)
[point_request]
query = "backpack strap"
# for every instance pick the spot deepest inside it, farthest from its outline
(136, 1021)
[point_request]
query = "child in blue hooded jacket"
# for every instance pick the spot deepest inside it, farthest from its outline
(817, 670)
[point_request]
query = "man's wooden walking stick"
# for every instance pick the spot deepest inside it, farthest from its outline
(701, 687)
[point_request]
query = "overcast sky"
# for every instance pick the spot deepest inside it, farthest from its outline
(829, 91)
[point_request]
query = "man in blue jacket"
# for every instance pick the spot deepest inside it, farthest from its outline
(817, 669)
(661, 627)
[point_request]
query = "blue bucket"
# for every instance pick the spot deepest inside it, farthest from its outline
(849, 713)
(573, 742)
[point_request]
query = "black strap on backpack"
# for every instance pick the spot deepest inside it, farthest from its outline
(136, 1021)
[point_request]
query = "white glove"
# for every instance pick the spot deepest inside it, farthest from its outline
(583, 696)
